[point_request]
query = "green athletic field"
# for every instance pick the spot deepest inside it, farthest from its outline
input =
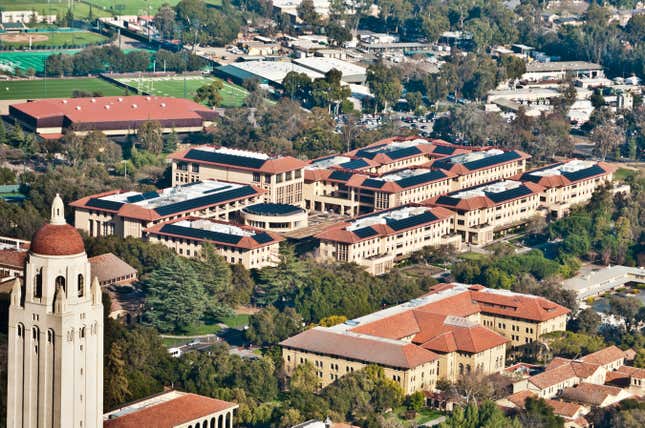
(54, 88)
(53, 7)
(232, 95)
(59, 39)
(136, 7)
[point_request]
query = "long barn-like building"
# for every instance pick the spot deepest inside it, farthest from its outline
(111, 115)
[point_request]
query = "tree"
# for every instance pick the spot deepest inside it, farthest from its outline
(415, 401)
(304, 379)
(414, 100)
(175, 298)
(210, 94)
(587, 321)
(538, 413)
(434, 25)
(606, 134)
(297, 85)
(625, 307)
(164, 21)
(116, 381)
(384, 84)
(337, 34)
(514, 67)
(150, 136)
(270, 326)
(307, 12)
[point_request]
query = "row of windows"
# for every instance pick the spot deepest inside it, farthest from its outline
(58, 282)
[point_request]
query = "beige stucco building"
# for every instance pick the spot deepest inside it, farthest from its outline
(281, 177)
(129, 213)
(251, 247)
(484, 212)
(375, 241)
(568, 183)
(55, 368)
(440, 333)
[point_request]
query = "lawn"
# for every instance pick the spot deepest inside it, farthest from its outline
(622, 173)
(236, 321)
(423, 416)
(136, 7)
(180, 87)
(54, 88)
(53, 39)
(52, 7)
(201, 329)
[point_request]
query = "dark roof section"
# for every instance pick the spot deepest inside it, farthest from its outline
(271, 209)
(421, 178)
(354, 164)
(404, 153)
(190, 232)
(509, 194)
(104, 204)
(365, 232)
(371, 182)
(447, 200)
(205, 200)
(492, 160)
(262, 238)
(584, 173)
(225, 159)
(411, 221)
(444, 150)
(340, 175)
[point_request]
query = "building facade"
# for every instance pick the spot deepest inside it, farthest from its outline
(569, 183)
(281, 177)
(485, 212)
(377, 240)
(129, 213)
(55, 369)
(253, 248)
(439, 335)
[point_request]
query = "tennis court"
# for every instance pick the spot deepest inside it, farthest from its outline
(185, 87)
(54, 88)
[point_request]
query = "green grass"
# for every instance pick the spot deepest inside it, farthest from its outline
(61, 39)
(54, 88)
(236, 321)
(170, 342)
(622, 173)
(232, 95)
(471, 256)
(136, 7)
(201, 329)
(53, 7)
(423, 416)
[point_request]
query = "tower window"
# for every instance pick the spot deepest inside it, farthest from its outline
(38, 284)
(21, 330)
(50, 336)
(60, 282)
(81, 333)
(81, 285)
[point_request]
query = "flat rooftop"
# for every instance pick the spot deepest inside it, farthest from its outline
(323, 65)
(387, 217)
(496, 187)
(574, 165)
(274, 71)
(536, 67)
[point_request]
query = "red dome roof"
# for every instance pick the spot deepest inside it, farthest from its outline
(57, 240)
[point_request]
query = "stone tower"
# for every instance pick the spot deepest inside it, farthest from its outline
(55, 368)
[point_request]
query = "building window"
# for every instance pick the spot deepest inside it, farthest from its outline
(81, 285)
(256, 177)
(60, 282)
(38, 284)
(195, 168)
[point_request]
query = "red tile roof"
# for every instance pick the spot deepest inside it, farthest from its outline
(361, 348)
(108, 267)
(13, 258)
(605, 356)
(115, 109)
(171, 413)
(590, 393)
(57, 240)
(562, 408)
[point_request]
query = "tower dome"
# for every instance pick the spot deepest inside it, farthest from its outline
(57, 238)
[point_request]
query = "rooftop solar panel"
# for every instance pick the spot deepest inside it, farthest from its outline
(492, 160)
(584, 173)
(509, 194)
(354, 164)
(225, 159)
(404, 153)
(376, 184)
(444, 150)
(371, 152)
(421, 178)
(207, 200)
(150, 195)
(190, 232)
(135, 198)
(104, 204)
(340, 175)
(262, 238)
(365, 232)
(411, 221)
(447, 200)
(273, 209)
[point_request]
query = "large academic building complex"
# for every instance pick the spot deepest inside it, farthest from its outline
(453, 331)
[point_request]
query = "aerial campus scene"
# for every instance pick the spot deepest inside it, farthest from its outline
(322, 213)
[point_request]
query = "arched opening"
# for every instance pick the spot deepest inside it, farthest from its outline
(50, 336)
(220, 421)
(467, 368)
(461, 368)
(60, 282)
(212, 422)
(81, 285)
(20, 330)
(205, 424)
(229, 422)
(38, 284)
